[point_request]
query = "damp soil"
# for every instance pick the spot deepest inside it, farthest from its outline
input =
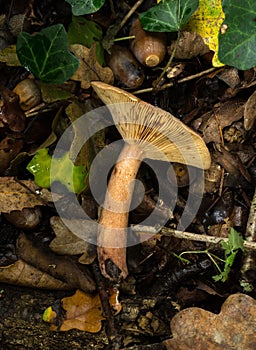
(22, 326)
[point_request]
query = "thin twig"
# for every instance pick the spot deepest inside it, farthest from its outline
(249, 257)
(188, 235)
(156, 83)
(114, 338)
(183, 80)
(129, 14)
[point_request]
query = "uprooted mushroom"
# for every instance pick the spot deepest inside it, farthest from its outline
(148, 132)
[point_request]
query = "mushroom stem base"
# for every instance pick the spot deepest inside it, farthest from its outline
(112, 235)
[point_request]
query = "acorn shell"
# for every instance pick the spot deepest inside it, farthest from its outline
(148, 47)
(125, 67)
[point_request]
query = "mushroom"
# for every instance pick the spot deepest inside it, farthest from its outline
(148, 132)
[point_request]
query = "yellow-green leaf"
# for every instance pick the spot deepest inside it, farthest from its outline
(206, 21)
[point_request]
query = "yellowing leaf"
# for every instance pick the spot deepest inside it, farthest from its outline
(206, 21)
(83, 311)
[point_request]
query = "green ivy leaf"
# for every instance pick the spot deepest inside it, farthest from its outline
(83, 7)
(47, 170)
(166, 17)
(237, 39)
(46, 54)
(84, 32)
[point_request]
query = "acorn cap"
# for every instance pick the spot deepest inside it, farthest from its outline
(158, 133)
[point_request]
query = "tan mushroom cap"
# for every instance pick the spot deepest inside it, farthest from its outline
(158, 133)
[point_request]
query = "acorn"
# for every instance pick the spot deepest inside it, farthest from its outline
(29, 94)
(125, 67)
(148, 47)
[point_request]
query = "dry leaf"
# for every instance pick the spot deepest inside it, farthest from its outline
(60, 267)
(68, 243)
(233, 328)
(13, 196)
(22, 274)
(190, 45)
(89, 68)
(83, 311)
(80, 152)
(250, 112)
(9, 149)
(221, 117)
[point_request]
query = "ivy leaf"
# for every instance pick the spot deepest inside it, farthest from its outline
(46, 170)
(206, 22)
(84, 32)
(83, 7)
(237, 39)
(46, 54)
(167, 17)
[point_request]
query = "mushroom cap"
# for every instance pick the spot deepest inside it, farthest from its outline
(158, 133)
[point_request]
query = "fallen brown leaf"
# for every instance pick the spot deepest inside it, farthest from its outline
(22, 274)
(220, 117)
(83, 311)
(14, 196)
(190, 45)
(60, 267)
(68, 243)
(89, 68)
(233, 328)
(250, 112)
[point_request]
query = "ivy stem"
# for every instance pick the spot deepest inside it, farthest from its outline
(156, 83)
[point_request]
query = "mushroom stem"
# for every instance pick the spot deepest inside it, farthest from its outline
(113, 222)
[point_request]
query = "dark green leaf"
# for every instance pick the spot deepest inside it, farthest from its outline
(166, 16)
(237, 40)
(46, 54)
(84, 32)
(83, 7)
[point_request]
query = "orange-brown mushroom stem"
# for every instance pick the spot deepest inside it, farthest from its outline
(113, 222)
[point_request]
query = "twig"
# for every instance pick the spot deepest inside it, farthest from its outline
(115, 339)
(249, 258)
(188, 235)
(129, 14)
(156, 83)
(183, 80)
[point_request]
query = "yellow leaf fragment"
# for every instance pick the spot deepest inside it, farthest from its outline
(206, 22)
(49, 315)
